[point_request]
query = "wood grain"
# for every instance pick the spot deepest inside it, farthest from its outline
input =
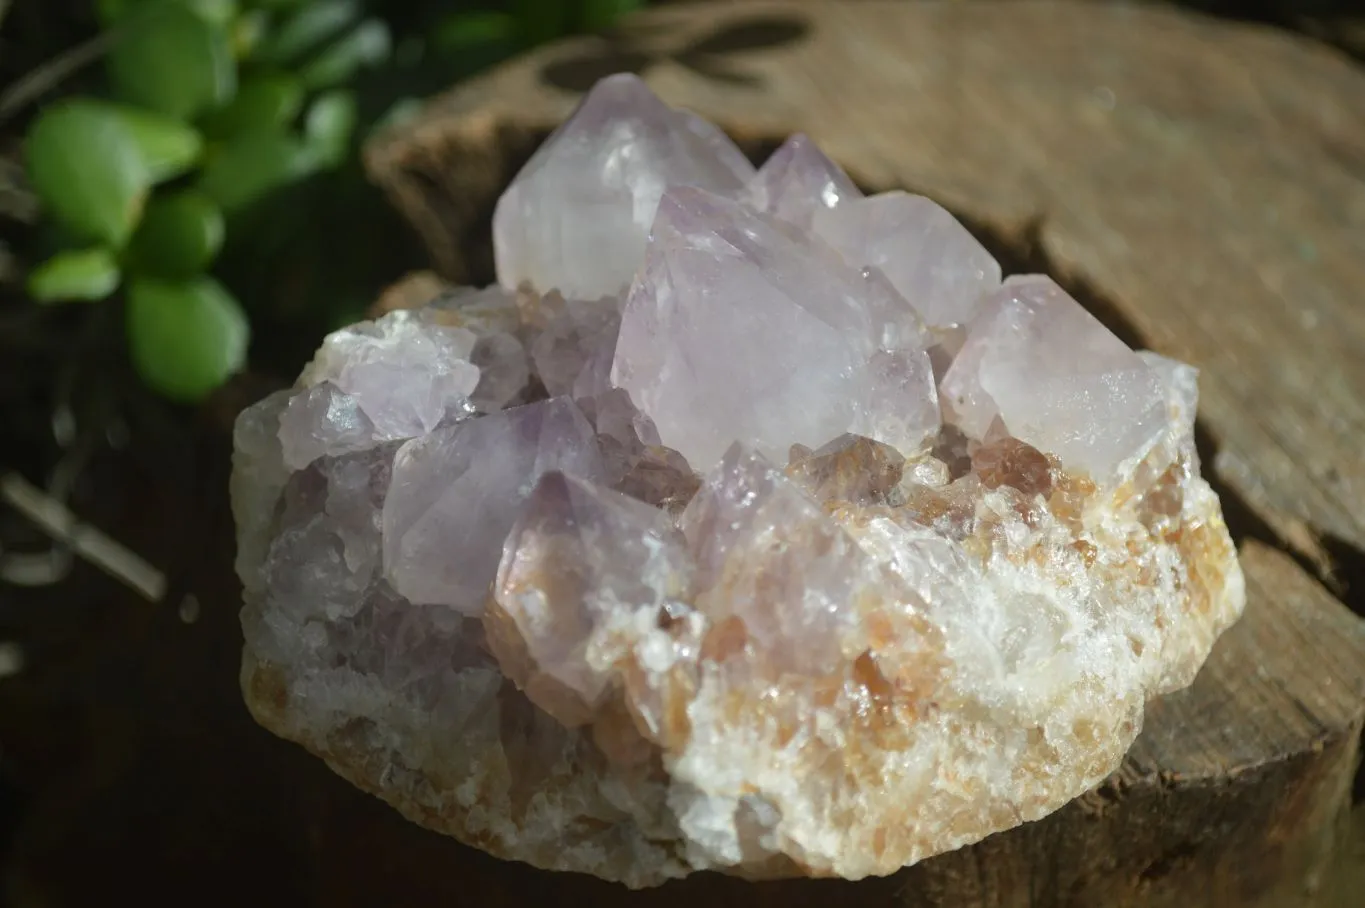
(1201, 186)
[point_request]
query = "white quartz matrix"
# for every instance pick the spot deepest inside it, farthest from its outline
(747, 524)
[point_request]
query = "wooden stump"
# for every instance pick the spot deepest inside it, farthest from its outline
(1202, 187)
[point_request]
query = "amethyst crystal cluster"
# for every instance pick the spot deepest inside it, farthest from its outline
(748, 524)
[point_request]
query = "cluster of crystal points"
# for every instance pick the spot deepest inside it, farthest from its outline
(749, 524)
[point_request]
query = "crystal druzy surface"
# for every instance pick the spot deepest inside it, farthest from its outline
(749, 524)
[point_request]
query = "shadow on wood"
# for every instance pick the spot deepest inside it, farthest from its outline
(710, 55)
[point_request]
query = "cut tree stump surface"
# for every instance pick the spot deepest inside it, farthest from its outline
(1201, 186)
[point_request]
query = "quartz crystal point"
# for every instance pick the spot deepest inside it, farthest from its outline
(576, 217)
(924, 252)
(770, 561)
(1056, 378)
(581, 560)
(323, 420)
(404, 374)
(797, 181)
(571, 340)
(850, 468)
(455, 494)
(800, 362)
(491, 315)
(699, 576)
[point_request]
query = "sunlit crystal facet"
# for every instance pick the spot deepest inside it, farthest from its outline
(576, 217)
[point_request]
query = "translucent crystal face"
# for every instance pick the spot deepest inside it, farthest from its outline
(760, 528)
(1057, 378)
(924, 252)
(797, 182)
(800, 361)
(456, 492)
(576, 217)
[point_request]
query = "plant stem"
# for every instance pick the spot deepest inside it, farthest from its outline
(51, 74)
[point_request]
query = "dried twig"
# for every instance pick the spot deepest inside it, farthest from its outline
(44, 78)
(83, 539)
(16, 201)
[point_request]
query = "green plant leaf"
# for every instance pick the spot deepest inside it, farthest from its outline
(317, 22)
(254, 164)
(88, 170)
(111, 11)
(264, 102)
(599, 14)
(83, 274)
(215, 12)
(168, 146)
(185, 337)
(218, 12)
(247, 32)
(462, 31)
(170, 60)
(367, 44)
(539, 21)
(180, 235)
(329, 125)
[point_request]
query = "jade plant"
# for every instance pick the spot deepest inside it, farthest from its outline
(205, 113)
(210, 106)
